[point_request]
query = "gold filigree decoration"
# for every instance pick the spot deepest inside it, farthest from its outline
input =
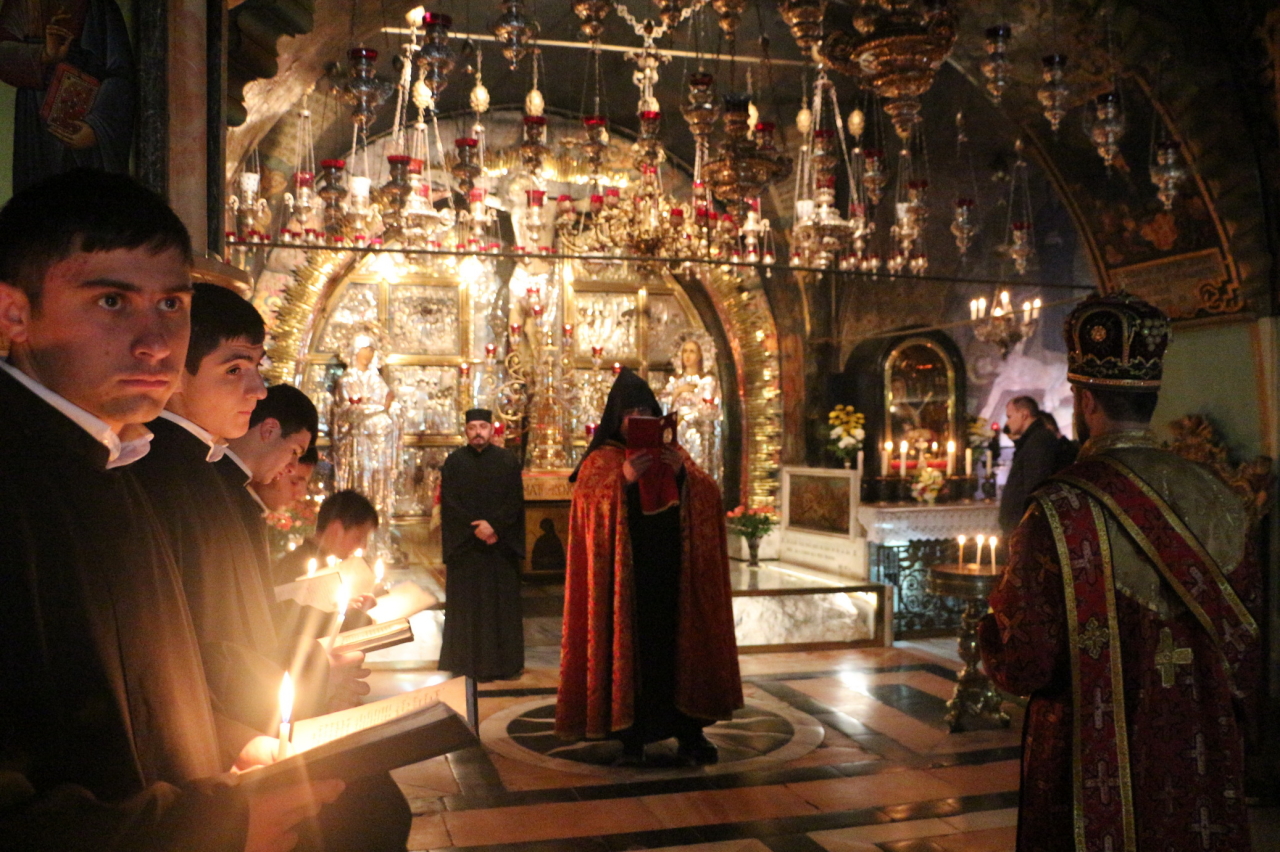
(753, 337)
(300, 307)
(1196, 439)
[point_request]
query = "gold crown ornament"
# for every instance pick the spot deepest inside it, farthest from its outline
(1116, 341)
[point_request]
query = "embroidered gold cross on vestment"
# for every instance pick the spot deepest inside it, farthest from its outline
(1168, 657)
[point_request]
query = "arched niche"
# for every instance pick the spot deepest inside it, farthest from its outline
(907, 381)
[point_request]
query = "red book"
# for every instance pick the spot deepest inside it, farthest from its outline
(658, 488)
(68, 100)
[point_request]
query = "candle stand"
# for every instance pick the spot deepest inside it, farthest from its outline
(975, 698)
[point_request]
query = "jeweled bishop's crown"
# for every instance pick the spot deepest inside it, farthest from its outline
(1116, 341)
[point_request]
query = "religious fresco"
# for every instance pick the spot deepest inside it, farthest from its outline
(546, 535)
(1174, 258)
(72, 64)
(819, 503)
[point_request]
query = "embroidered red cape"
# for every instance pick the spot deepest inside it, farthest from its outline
(596, 694)
(1131, 737)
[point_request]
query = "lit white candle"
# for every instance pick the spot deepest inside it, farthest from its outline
(951, 458)
(987, 470)
(982, 540)
(379, 570)
(993, 553)
(968, 461)
(884, 458)
(330, 561)
(360, 553)
(960, 540)
(344, 598)
(312, 565)
(1035, 309)
(286, 713)
(902, 459)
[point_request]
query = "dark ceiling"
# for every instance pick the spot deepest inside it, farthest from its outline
(1204, 63)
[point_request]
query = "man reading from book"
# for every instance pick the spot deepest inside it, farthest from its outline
(648, 650)
(107, 734)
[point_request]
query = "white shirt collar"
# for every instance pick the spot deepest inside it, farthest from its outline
(248, 486)
(216, 450)
(119, 453)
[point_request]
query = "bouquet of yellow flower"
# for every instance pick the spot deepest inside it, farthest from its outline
(751, 523)
(847, 434)
(927, 485)
(979, 432)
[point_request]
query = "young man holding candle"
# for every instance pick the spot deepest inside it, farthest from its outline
(235, 621)
(373, 815)
(106, 726)
(343, 526)
(1128, 613)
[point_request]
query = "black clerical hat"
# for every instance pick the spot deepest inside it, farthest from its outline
(479, 414)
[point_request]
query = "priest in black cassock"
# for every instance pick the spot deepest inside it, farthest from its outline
(482, 526)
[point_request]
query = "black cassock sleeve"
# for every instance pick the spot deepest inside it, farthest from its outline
(508, 514)
(487, 487)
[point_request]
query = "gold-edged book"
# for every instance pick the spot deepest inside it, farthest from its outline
(374, 738)
(375, 637)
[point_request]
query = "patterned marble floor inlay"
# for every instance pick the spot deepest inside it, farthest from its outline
(763, 734)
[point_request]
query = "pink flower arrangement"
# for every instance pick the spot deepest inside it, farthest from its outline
(751, 523)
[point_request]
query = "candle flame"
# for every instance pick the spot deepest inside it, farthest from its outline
(286, 698)
(961, 539)
(951, 446)
(311, 566)
(378, 570)
(982, 539)
(331, 561)
(888, 446)
(359, 553)
(344, 598)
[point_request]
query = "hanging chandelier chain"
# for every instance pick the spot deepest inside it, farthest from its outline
(649, 30)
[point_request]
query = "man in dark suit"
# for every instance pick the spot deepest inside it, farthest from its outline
(1035, 450)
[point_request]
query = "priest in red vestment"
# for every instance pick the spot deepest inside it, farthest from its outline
(648, 651)
(1127, 614)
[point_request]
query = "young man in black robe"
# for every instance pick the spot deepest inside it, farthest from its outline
(482, 530)
(343, 526)
(372, 816)
(107, 734)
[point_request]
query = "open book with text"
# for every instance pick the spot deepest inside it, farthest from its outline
(375, 737)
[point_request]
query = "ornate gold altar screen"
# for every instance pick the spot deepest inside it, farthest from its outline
(539, 348)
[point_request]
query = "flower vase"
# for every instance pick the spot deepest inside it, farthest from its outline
(753, 549)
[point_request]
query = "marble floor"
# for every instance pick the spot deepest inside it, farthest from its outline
(841, 751)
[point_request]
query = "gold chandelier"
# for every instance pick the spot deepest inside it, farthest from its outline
(895, 51)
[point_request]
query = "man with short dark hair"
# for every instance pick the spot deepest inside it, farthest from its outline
(107, 733)
(288, 490)
(482, 529)
(1033, 457)
(343, 526)
(1127, 613)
